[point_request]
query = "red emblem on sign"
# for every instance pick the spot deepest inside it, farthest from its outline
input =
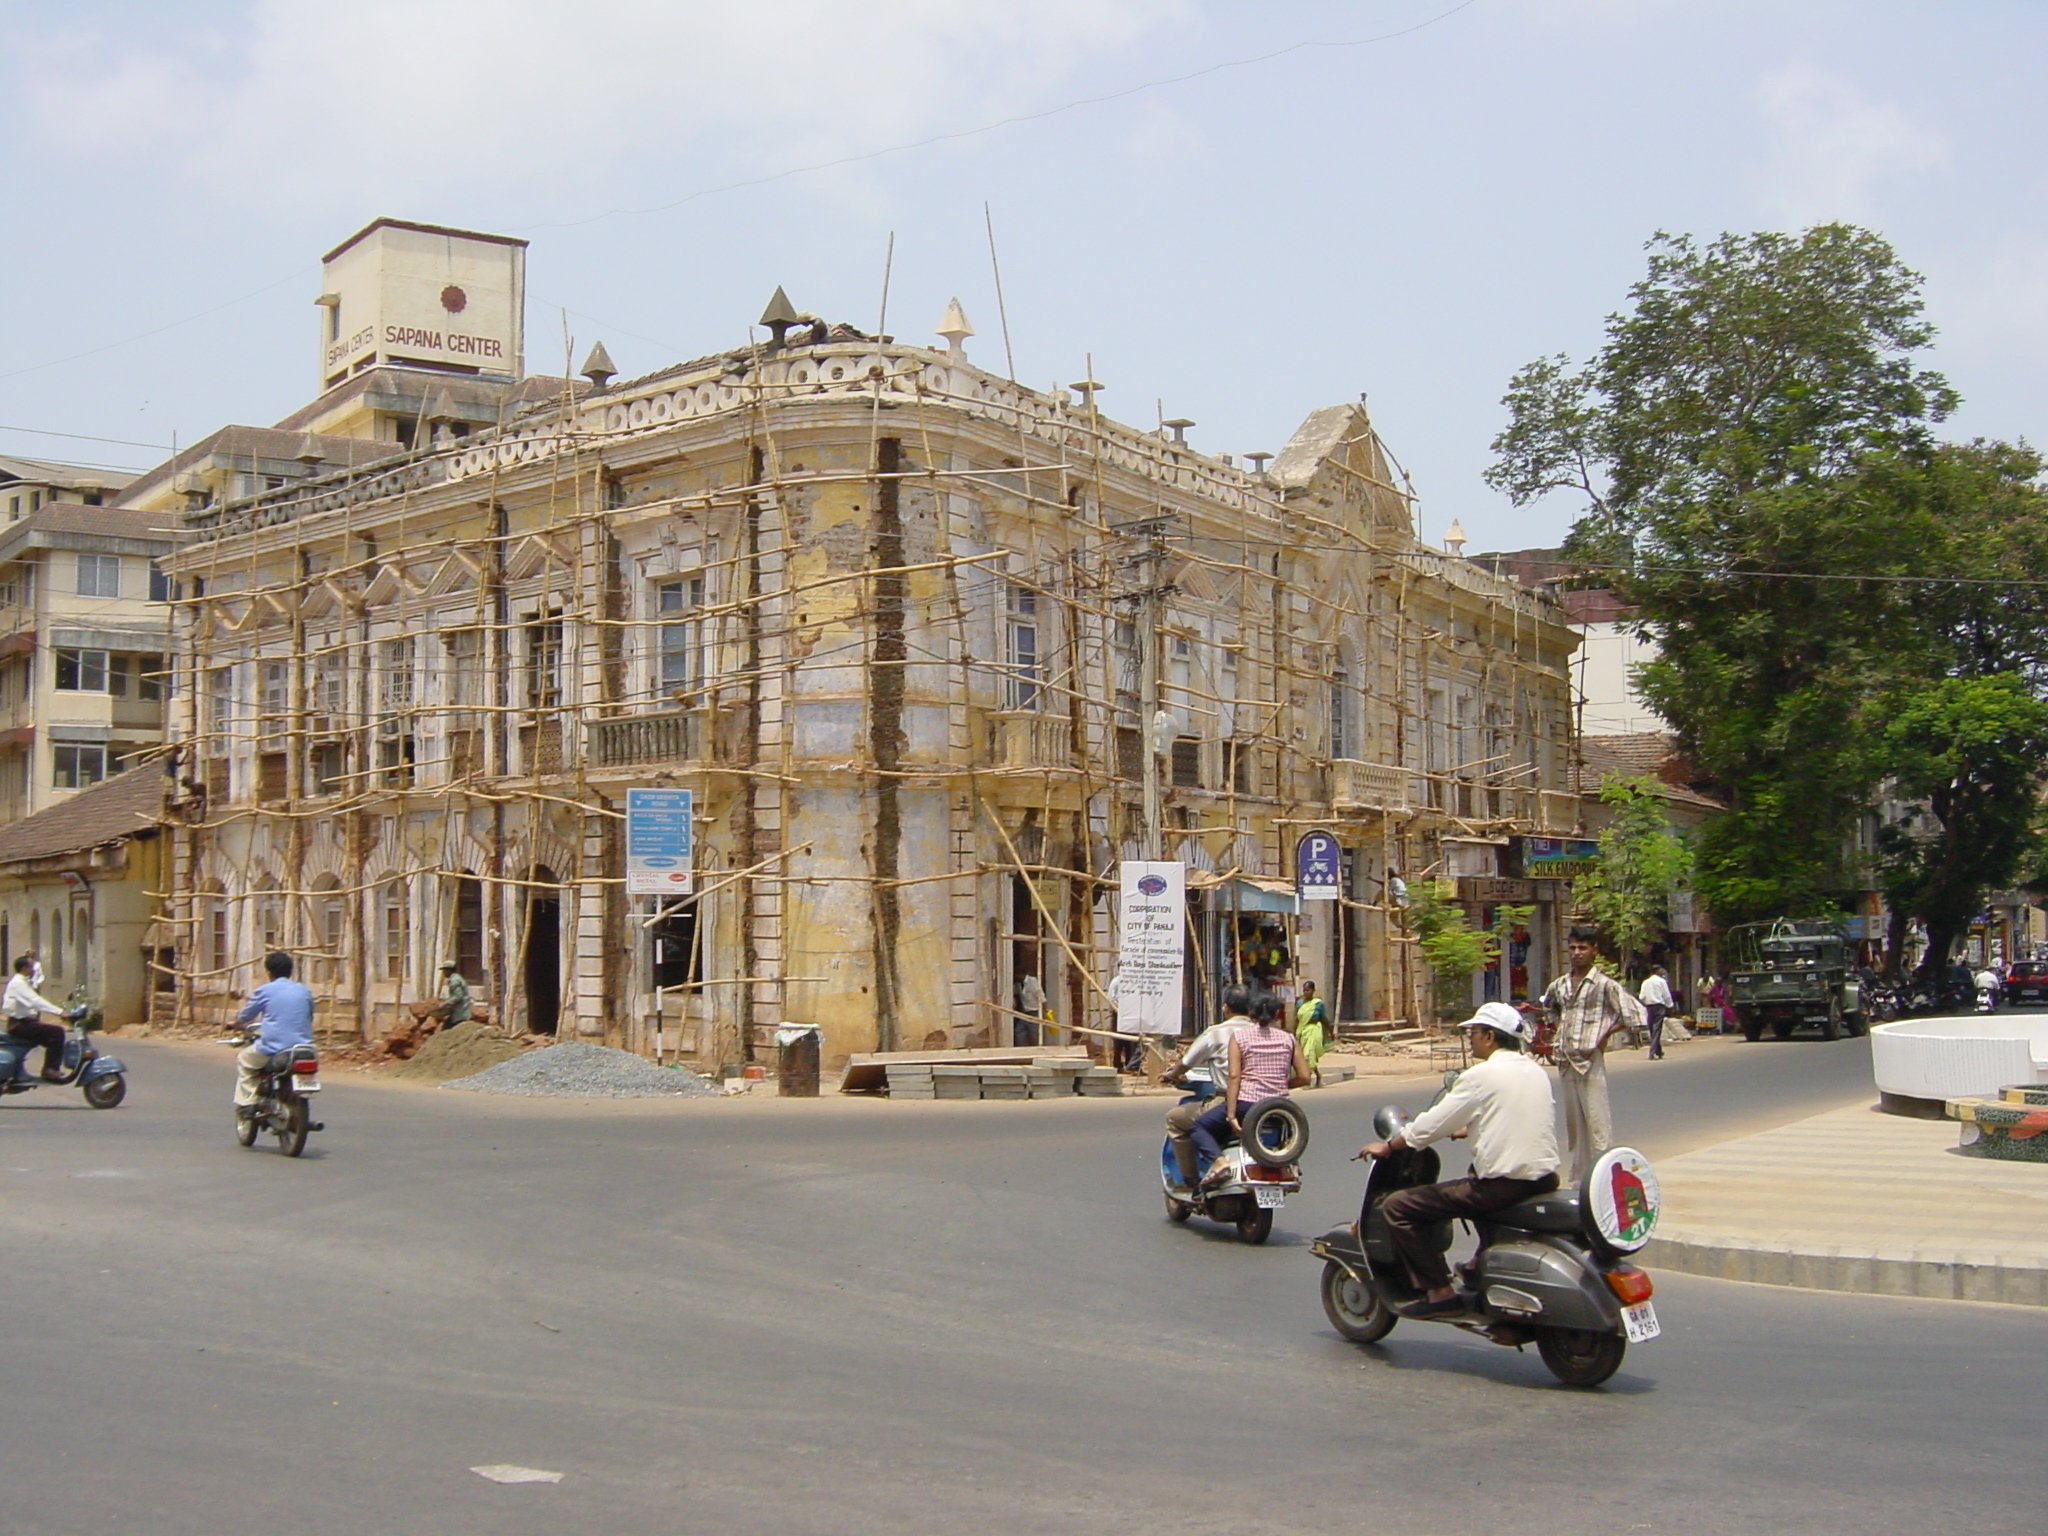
(454, 300)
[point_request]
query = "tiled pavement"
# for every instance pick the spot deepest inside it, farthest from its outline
(1857, 1200)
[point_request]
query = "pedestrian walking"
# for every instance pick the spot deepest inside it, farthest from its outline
(1587, 1008)
(1312, 1029)
(1655, 996)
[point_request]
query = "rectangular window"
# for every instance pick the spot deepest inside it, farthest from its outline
(395, 761)
(328, 686)
(329, 765)
(397, 932)
(81, 671)
(678, 960)
(159, 584)
(465, 652)
(395, 678)
(1022, 684)
(99, 575)
(1187, 762)
(152, 682)
(1130, 753)
(1341, 744)
(274, 694)
(678, 663)
(77, 767)
(270, 776)
(544, 665)
(220, 700)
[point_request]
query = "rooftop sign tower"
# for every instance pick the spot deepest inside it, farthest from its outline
(420, 296)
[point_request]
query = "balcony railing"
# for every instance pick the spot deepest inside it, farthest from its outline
(1024, 738)
(629, 741)
(1357, 786)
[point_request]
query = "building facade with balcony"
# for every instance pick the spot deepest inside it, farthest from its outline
(84, 628)
(914, 636)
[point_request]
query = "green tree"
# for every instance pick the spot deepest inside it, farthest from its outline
(1974, 752)
(1642, 864)
(1721, 440)
(1451, 947)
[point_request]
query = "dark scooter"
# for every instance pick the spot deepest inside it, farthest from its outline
(103, 1079)
(1552, 1270)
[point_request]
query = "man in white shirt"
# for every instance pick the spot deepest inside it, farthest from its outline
(1202, 1068)
(24, 1007)
(1655, 996)
(1502, 1101)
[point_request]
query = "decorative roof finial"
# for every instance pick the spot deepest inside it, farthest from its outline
(779, 316)
(954, 327)
(598, 367)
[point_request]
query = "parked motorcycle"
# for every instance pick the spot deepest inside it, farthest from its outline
(282, 1107)
(103, 1079)
(1552, 1270)
(1264, 1164)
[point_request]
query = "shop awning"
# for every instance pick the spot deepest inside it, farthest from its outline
(1245, 893)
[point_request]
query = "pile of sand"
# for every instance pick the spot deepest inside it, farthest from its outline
(459, 1052)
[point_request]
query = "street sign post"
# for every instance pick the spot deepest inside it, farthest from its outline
(1151, 947)
(660, 842)
(1318, 867)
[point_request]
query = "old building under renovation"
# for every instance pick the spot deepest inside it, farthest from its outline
(932, 650)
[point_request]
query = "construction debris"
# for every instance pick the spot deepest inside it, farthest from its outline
(574, 1069)
(458, 1052)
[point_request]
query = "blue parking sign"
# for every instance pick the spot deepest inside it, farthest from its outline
(1318, 867)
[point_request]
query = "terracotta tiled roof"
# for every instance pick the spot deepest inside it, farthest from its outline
(127, 803)
(1639, 755)
(70, 476)
(110, 522)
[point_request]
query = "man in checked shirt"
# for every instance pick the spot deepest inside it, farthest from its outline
(1587, 1008)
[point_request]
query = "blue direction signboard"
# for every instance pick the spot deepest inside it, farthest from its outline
(1318, 867)
(660, 838)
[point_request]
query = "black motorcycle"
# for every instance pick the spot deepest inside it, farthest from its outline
(1551, 1271)
(282, 1107)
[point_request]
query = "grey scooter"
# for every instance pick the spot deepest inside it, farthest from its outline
(1552, 1270)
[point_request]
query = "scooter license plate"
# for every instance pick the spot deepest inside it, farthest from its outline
(1269, 1196)
(1639, 1322)
(306, 1084)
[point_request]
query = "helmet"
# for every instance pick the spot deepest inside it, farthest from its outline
(1389, 1121)
(1502, 1018)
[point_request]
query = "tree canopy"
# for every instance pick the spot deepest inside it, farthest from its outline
(1754, 445)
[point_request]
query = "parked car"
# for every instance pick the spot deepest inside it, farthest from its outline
(2027, 982)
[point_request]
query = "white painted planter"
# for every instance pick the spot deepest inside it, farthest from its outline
(1960, 1057)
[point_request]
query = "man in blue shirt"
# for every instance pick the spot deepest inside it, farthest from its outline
(282, 1011)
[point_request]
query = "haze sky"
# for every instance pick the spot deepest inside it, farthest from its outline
(1242, 211)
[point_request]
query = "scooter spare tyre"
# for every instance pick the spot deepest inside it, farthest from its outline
(1353, 1307)
(1274, 1132)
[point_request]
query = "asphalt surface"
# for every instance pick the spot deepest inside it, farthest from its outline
(844, 1317)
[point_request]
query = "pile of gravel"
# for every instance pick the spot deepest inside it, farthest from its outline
(574, 1069)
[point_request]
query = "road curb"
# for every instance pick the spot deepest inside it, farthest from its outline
(1927, 1274)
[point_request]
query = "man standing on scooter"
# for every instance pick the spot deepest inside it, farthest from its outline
(1503, 1102)
(1587, 1008)
(25, 1007)
(285, 1010)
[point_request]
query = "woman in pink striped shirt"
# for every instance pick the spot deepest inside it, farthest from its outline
(1265, 1061)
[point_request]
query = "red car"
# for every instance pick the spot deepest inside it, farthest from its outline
(2027, 982)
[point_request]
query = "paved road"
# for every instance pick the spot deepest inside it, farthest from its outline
(847, 1317)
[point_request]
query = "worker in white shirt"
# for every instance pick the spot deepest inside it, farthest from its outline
(1655, 996)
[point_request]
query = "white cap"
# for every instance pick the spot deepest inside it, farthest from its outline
(1503, 1017)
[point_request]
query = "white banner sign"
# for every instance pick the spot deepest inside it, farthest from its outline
(1151, 948)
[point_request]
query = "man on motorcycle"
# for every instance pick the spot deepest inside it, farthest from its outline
(1201, 1066)
(282, 1010)
(1503, 1102)
(25, 1007)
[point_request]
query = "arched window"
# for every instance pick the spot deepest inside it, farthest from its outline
(469, 926)
(213, 945)
(328, 910)
(269, 917)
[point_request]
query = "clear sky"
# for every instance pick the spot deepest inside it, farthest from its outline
(1243, 209)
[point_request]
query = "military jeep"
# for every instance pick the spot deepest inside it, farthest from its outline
(1790, 972)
